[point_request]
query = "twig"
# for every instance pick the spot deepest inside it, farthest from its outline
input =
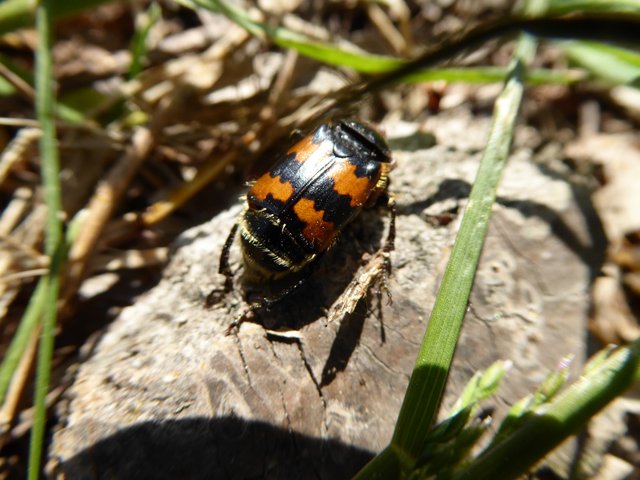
(101, 208)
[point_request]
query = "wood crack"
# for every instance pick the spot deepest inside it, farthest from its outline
(303, 357)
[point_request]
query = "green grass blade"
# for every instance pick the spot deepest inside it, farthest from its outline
(15, 14)
(614, 64)
(28, 324)
(563, 7)
(6, 88)
(436, 352)
(324, 52)
(64, 112)
(392, 70)
(21, 338)
(365, 62)
(483, 75)
(565, 416)
(331, 55)
(45, 108)
(139, 42)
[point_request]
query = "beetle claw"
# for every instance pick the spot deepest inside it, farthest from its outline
(247, 315)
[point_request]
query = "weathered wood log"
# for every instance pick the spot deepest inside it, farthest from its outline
(168, 395)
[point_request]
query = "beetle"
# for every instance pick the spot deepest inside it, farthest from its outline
(296, 210)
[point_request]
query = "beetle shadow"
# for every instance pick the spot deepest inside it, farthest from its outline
(345, 343)
(323, 284)
(333, 273)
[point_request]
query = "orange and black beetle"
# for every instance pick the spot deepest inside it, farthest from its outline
(296, 210)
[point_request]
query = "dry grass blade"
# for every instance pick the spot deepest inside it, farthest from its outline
(387, 29)
(16, 389)
(17, 149)
(160, 210)
(130, 259)
(26, 91)
(101, 207)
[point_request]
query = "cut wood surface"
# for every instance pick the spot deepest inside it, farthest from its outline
(166, 394)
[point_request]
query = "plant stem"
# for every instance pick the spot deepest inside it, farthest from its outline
(563, 417)
(45, 108)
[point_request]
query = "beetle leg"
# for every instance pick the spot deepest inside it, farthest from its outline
(260, 304)
(224, 268)
(216, 295)
(268, 302)
(264, 303)
(246, 315)
(389, 244)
